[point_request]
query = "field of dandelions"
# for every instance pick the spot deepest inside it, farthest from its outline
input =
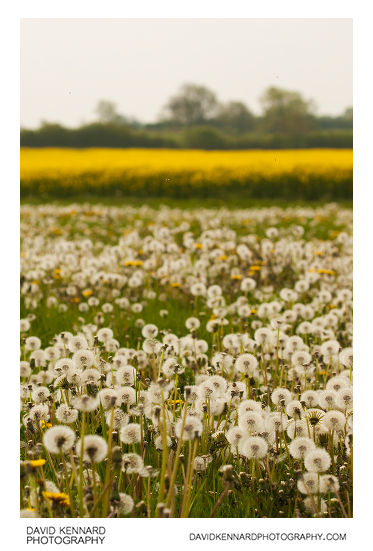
(186, 362)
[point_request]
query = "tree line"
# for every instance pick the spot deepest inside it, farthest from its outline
(194, 118)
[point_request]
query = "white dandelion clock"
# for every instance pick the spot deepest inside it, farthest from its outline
(86, 403)
(126, 395)
(40, 394)
(95, 448)
(327, 399)
(192, 428)
(66, 415)
(234, 436)
(116, 418)
(297, 428)
(59, 439)
(104, 334)
(249, 405)
(294, 409)
(310, 398)
(253, 447)
(126, 504)
(281, 396)
(334, 420)
(308, 483)
(246, 364)
(317, 460)
(32, 343)
(251, 422)
(329, 484)
(25, 369)
(132, 463)
(149, 331)
(130, 433)
(83, 359)
(344, 398)
(300, 446)
(108, 397)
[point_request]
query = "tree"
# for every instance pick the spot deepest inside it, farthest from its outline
(193, 104)
(286, 111)
(348, 114)
(107, 111)
(236, 116)
(108, 114)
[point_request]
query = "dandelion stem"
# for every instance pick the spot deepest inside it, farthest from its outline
(105, 505)
(222, 496)
(80, 491)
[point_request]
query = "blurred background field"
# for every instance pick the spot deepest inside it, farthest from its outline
(258, 112)
(277, 174)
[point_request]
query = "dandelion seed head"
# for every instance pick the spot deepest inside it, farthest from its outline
(317, 460)
(126, 504)
(300, 446)
(130, 433)
(59, 439)
(253, 447)
(94, 448)
(308, 483)
(132, 463)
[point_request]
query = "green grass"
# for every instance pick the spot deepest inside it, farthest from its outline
(256, 490)
(228, 201)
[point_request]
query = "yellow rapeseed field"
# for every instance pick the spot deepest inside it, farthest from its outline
(162, 171)
(63, 162)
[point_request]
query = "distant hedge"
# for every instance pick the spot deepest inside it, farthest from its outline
(199, 137)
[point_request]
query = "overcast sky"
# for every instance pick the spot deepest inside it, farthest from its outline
(68, 65)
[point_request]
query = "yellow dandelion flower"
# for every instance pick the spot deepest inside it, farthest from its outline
(37, 462)
(327, 272)
(45, 425)
(175, 284)
(198, 245)
(236, 276)
(57, 498)
(87, 293)
(133, 263)
(223, 257)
